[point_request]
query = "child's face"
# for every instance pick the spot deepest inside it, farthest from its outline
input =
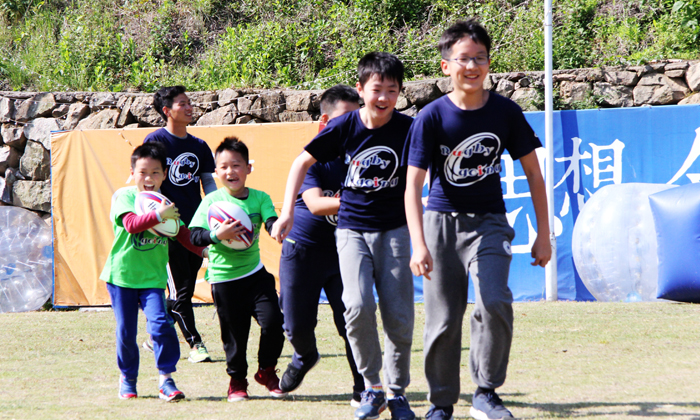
(340, 108)
(380, 96)
(467, 78)
(232, 171)
(148, 174)
(181, 111)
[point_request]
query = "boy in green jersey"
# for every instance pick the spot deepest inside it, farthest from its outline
(240, 285)
(135, 273)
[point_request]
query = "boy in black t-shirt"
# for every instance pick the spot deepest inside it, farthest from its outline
(460, 138)
(190, 162)
(372, 237)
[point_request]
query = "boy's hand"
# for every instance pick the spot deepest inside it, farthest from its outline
(421, 262)
(168, 211)
(282, 227)
(541, 251)
(230, 230)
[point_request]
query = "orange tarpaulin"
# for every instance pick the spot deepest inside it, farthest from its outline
(87, 167)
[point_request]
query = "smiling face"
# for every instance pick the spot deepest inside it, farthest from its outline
(148, 174)
(469, 78)
(181, 111)
(232, 170)
(380, 99)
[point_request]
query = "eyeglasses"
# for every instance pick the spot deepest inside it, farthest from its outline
(463, 61)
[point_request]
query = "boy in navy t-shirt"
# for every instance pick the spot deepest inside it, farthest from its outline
(309, 261)
(372, 237)
(190, 162)
(460, 138)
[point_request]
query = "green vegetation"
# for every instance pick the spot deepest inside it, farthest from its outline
(214, 44)
(595, 361)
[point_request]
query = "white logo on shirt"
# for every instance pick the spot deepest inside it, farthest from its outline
(472, 160)
(332, 218)
(183, 168)
(372, 169)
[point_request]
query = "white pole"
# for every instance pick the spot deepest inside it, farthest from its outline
(551, 269)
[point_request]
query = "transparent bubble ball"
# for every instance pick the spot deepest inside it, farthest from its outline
(26, 260)
(614, 243)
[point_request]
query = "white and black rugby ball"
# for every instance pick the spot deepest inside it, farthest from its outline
(148, 201)
(222, 211)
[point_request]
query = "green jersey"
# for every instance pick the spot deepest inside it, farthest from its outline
(226, 264)
(136, 261)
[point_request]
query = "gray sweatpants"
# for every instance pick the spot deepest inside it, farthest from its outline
(378, 259)
(463, 245)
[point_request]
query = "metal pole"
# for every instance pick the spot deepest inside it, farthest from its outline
(551, 269)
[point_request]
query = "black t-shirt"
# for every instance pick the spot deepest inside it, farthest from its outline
(462, 149)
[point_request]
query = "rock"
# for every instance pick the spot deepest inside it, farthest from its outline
(243, 119)
(658, 89)
(298, 101)
(402, 103)
(563, 77)
(421, 93)
(626, 78)
(32, 195)
(411, 112)
(131, 126)
(692, 76)
(221, 116)
(123, 99)
(692, 99)
(107, 118)
(64, 97)
(244, 105)
(228, 96)
(574, 91)
(681, 65)
(14, 137)
(38, 106)
(60, 111)
(206, 100)
(613, 96)
(505, 88)
(9, 158)
(125, 115)
(675, 73)
(142, 109)
(102, 100)
(5, 191)
(529, 99)
(256, 121)
(36, 162)
(268, 106)
(657, 67)
(523, 83)
(40, 130)
(291, 116)
(7, 110)
(76, 112)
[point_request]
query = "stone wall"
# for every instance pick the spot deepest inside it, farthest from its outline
(28, 118)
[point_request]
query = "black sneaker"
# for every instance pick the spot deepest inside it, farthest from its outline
(293, 376)
(488, 406)
(400, 410)
(439, 413)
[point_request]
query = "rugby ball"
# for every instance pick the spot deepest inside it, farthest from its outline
(222, 211)
(148, 201)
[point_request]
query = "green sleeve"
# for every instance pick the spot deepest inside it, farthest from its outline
(200, 216)
(122, 203)
(267, 209)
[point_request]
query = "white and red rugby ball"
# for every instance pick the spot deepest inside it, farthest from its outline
(148, 201)
(221, 211)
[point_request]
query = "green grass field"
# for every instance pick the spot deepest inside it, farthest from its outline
(569, 360)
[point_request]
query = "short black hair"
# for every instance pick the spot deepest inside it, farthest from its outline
(464, 28)
(154, 150)
(384, 65)
(335, 94)
(165, 97)
(233, 144)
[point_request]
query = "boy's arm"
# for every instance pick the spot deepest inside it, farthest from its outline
(183, 236)
(542, 248)
(284, 224)
(137, 224)
(421, 262)
(319, 204)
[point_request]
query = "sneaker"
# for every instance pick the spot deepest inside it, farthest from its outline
(400, 410)
(439, 413)
(238, 390)
(488, 406)
(199, 353)
(293, 376)
(373, 403)
(169, 392)
(268, 378)
(127, 388)
(356, 398)
(148, 345)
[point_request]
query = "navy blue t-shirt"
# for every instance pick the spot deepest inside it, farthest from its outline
(375, 169)
(309, 229)
(462, 149)
(188, 158)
